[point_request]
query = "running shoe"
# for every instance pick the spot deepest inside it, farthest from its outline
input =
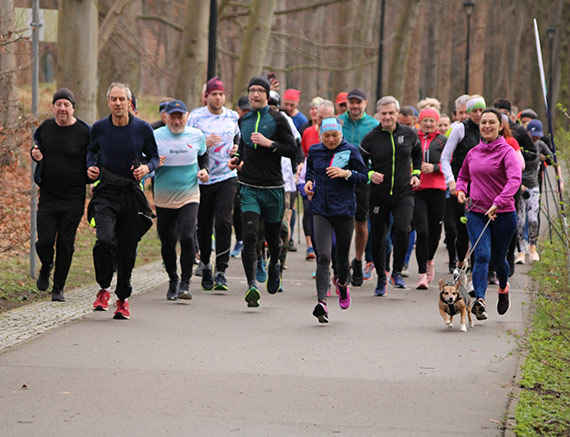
(57, 295)
(430, 271)
(520, 258)
(405, 272)
(479, 309)
(423, 283)
(252, 297)
(368, 271)
(221, 281)
(184, 290)
(102, 301)
(380, 289)
(236, 252)
(273, 278)
(43, 279)
(451, 267)
(310, 253)
(292, 247)
(199, 268)
(357, 277)
(344, 296)
(172, 292)
(321, 312)
(504, 302)
(397, 281)
(122, 312)
(207, 279)
(261, 274)
(335, 283)
(533, 255)
(492, 278)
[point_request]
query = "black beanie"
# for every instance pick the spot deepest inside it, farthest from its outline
(64, 93)
(261, 81)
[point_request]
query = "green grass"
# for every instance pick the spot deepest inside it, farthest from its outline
(18, 288)
(544, 403)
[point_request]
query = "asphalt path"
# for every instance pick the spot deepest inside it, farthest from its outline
(211, 366)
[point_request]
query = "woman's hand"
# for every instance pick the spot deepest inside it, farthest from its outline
(336, 172)
(203, 175)
(427, 167)
(377, 178)
(492, 212)
(309, 189)
(460, 197)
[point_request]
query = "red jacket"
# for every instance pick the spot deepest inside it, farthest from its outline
(432, 146)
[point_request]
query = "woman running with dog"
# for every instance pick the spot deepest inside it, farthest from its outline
(494, 174)
(333, 168)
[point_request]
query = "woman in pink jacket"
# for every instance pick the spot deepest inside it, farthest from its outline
(488, 180)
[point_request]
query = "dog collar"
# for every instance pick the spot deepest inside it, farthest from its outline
(451, 306)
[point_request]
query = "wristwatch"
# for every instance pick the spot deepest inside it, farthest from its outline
(348, 175)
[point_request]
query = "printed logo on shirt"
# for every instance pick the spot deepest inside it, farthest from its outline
(177, 151)
(401, 139)
(189, 145)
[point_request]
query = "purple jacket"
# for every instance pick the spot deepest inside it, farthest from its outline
(495, 175)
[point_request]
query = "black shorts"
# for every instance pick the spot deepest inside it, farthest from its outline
(362, 202)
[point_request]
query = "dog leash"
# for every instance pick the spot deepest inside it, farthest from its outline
(468, 206)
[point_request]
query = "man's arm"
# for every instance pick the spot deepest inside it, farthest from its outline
(456, 136)
(285, 144)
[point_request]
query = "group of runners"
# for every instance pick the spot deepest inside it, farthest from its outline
(389, 180)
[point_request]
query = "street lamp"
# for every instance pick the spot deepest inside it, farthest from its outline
(469, 6)
(550, 34)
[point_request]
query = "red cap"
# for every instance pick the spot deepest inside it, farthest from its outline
(429, 112)
(292, 94)
(214, 84)
(341, 98)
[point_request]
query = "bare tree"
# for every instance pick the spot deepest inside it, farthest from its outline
(255, 42)
(193, 54)
(77, 54)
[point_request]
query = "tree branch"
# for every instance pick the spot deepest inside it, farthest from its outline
(110, 21)
(285, 11)
(151, 17)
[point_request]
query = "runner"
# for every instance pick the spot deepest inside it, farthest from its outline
(291, 98)
(494, 174)
(333, 168)
(265, 138)
(119, 208)
(220, 126)
(60, 149)
(429, 204)
(396, 156)
(177, 196)
(356, 124)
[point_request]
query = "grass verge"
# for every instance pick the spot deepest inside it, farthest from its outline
(544, 402)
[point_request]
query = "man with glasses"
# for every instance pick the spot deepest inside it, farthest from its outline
(265, 138)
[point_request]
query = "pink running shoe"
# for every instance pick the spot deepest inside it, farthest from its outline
(344, 296)
(430, 271)
(102, 301)
(423, 283)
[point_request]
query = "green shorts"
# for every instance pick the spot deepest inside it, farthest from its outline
(267, 202)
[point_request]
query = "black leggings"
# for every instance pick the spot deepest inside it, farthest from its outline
(174, 224)
(237, 217)
(450, 230)
(250, 223)
(462, 240)
(429, 209)
(216, 201)
(402, 208)
(343, 228)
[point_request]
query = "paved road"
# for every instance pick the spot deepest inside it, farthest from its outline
(212, 366)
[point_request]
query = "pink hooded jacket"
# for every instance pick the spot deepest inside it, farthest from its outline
(495, 174)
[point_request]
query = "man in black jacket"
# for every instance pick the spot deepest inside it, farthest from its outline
(396, 157)
(60, 147)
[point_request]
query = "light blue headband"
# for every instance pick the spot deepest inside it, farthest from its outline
(330, 124)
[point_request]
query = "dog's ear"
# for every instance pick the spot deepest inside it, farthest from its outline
(441, 284)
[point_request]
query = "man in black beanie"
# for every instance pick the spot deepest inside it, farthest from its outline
(265, 138)
(60, 150)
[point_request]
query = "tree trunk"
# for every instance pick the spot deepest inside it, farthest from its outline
(477, 59)
(77, 54)
(443, 92)
(122, 44)
(254, 43)
(401, 46)
(414, 67)
(8, 89)
(193, 55)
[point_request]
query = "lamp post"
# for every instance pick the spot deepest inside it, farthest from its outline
(380, 53)
(212, 29)
(550, 34)
(469, 6)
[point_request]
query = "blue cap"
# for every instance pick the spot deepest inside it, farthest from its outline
(331, 123)
(176, 106)
(534, 127)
